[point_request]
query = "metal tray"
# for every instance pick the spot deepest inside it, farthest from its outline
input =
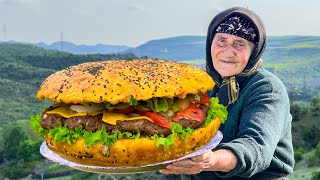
(47, 153)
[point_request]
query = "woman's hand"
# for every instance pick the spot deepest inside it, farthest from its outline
(193, 165)
(221, 160)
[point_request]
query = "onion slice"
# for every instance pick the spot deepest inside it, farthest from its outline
(88, 109)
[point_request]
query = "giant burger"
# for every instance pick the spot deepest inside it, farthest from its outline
(127, 113)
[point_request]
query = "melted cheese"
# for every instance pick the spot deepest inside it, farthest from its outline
(68, 113)
(112, 118)
(108, 117)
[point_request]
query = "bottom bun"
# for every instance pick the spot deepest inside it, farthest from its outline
(132, 152)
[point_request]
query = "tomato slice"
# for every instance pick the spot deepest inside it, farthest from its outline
(192, 112)
(156, 118)
(125, 111)
(204, 100)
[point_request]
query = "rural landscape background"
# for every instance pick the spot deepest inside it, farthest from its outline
(294, 59)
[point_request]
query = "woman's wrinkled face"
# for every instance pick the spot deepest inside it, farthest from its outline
(230, 54)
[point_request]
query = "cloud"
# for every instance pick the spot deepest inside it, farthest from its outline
(19, 2)
(136, 7)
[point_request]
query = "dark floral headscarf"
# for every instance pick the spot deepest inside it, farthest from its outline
(227, 89)
(238, 26)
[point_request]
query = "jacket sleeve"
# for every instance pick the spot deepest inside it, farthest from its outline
(264, 113)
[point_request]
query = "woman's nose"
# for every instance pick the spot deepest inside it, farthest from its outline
(229, 50)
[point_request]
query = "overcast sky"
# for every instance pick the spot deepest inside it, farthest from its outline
(134, 22)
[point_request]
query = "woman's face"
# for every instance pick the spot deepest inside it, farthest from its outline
(230, 54)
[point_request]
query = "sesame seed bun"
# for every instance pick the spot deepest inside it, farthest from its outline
(117, 80)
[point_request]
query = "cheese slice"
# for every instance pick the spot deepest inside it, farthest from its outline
(108, 117)
(112, 118)
(68, 113)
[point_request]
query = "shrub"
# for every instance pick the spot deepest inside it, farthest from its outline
(298, 154)
(315, 175)
(314, 159)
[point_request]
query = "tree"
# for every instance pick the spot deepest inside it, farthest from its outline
(298, 154)
(315, 105)
(315, 175)
(314, 159)
(311, 135)
(1, 145)
(12, 138)
(296, 111)
(28, 150)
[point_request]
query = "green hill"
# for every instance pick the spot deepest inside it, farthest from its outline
(22, 70)
(302, 171)
(295, 59)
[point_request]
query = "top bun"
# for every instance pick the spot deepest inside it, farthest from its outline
(116, 81)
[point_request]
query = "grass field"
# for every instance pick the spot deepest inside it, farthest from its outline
(302, 171)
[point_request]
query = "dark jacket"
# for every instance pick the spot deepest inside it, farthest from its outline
(258, 130)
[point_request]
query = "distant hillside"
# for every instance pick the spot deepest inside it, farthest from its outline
(69, 47)
(295, 59)
(175, 48)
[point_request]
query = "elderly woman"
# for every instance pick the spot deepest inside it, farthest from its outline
(257, 139)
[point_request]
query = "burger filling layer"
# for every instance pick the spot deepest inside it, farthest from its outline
(145, 117)
(143, 124)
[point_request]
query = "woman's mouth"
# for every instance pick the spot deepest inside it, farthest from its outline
(228, 62)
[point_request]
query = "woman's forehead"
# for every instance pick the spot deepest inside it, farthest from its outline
(230, 36)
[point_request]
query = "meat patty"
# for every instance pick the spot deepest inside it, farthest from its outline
(95, 123)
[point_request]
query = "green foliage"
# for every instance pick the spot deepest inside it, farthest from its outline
(314, 159)
(315, 105)
(18, 147)
(14, 136)
(304, 95)
(17, 170)
(1, 145)
(17, 144)
(315, 175)
(297, 111)
(51, 59)
(311, 135)
(305, 126)
(298, 154)
(28, 150)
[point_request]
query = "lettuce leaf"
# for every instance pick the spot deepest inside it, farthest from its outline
(215, 110)
(162, 104)
(35, 124)
(166, 142)
(132, 101)
(177, 130)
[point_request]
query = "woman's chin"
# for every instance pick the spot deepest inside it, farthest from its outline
(226, 73)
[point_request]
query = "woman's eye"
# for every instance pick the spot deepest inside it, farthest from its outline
(239, 45)
(222, 42)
